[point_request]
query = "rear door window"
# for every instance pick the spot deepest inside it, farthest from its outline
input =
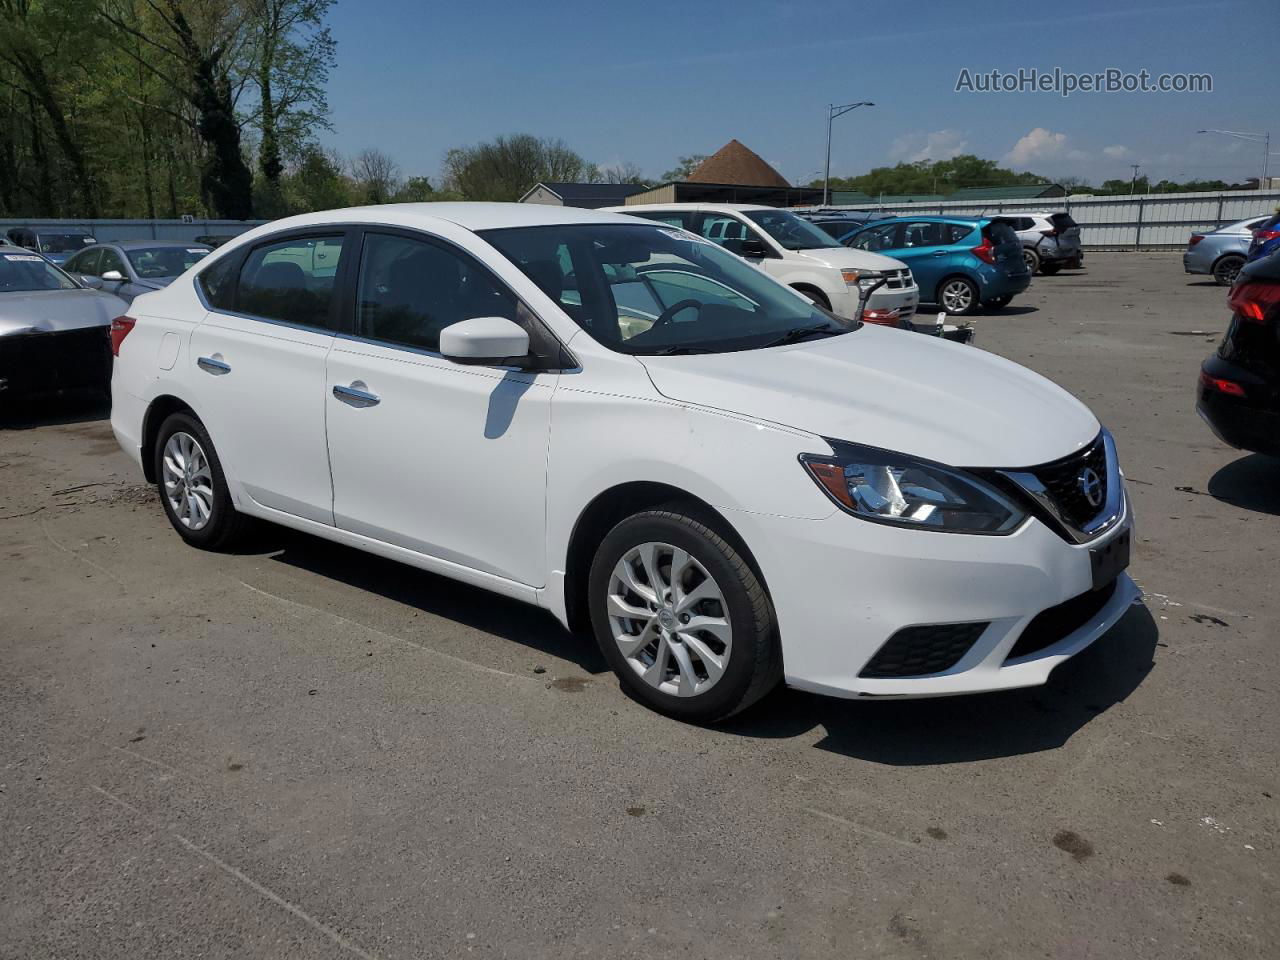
(292, 280)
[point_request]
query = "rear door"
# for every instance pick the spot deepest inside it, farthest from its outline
(259, 367)
(925, 247)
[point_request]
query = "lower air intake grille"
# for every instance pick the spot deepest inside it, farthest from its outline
(919, 651)
(1054, 624)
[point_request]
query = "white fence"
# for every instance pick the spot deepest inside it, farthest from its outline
(1152, 221)
(179, 231)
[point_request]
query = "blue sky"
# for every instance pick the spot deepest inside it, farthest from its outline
(647, 82)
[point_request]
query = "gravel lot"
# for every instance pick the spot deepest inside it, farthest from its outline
(304, 751)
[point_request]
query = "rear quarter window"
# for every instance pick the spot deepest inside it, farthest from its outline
(217, 282)
(1062, 221)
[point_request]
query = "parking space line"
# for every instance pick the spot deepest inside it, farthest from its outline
(81, 557)
(249, 882)
(860, 828)
(388, 636)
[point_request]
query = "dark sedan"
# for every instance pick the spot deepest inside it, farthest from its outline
(1239, 391)
(131, 268)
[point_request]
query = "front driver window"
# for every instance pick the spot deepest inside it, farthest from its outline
(409, 290)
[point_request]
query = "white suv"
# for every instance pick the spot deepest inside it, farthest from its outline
(638, 431)
(794, 251)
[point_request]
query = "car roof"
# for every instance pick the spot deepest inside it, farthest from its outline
(712, 207)
(470, 215)
(146, 244)
(930, 218)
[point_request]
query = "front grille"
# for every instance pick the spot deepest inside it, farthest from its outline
(919, 651)
(1061, 481)
(898, 279)
(1052, 625)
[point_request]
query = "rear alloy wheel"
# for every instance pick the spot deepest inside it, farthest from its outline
(682, 618)
(1226, 270)
(958, 296)
(192, 486)
(1031, 259)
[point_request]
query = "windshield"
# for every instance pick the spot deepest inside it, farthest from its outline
(26, 271)
(790, 231)
(63, 242)
(151, 263)
(649, 289)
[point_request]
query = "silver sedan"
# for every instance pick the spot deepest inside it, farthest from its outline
(130, 268)
(54, 332)
(1221, 252)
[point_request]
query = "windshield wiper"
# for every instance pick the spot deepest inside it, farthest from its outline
(674, 351)
(799, 333)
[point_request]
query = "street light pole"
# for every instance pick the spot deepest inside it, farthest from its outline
(832, 112)
(1262, 138)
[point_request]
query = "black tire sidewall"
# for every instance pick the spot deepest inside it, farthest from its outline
(1032, 260)
(749, 647)
(222, 522)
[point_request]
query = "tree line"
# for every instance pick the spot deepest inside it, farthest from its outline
(967, 170)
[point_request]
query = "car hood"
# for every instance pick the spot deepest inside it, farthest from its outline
(846, 257)
(49, 311)
(893, 389)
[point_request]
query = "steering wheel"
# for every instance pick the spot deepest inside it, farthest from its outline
(665, 317)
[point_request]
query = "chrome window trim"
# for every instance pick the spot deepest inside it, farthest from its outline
(1112, 510)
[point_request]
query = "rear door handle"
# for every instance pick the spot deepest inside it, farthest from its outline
(940, 253)
(214, 366)
(357, 395)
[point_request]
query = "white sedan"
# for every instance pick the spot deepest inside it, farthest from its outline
(640, 432)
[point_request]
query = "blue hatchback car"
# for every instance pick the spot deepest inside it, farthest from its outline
(960, 264)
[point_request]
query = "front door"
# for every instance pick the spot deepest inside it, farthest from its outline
(259, 358)
(445, 459)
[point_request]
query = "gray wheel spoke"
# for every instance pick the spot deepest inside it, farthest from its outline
(715, 626)
(686, 680)
(657, 671)
(713, 664)
(706, 590)
(187, 481)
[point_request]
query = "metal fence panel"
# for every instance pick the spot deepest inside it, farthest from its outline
(180, 231)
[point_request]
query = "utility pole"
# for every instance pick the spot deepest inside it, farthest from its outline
(1134, 182)
(1262, 138)
(832, 112)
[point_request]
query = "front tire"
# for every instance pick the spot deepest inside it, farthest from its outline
(958, 296)
(681, 617)
(192, 486)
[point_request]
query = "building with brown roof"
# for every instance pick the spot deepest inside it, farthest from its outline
(733, 174)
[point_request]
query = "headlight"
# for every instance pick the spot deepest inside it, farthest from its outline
(861, 278)
(893, 488)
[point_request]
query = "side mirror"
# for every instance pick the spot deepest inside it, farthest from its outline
(90, 281)
(484, 340)
(753, 247)
(864, 294)
(114, 275)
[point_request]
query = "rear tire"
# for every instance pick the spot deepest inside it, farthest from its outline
(1031, 259)
(1049, 269)
(998, 303)
(1226, 269)
(192, 487)
(699, 645)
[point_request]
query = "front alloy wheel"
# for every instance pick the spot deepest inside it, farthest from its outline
(669, 620)
(681, 615)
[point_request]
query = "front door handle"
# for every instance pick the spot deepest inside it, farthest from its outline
(357, 395)
(213, 365)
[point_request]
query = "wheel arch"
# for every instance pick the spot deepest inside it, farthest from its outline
(160, 408)
(955, 275)
(611, 507)
(811, 290)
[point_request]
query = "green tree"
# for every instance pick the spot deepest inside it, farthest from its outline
(291, 56)
(684, 166)
(414, 190)
(316, 182)
(507, 167)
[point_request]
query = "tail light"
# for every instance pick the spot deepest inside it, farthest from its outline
(1229, 387)
(120, 328)
(985, 251)
(1252, 302)
(1195, 238)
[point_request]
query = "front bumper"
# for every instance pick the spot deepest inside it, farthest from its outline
(55, 360)
(890, 307)
(842, 588)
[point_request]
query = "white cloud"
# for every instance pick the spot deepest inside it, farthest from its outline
(1117, 151)
(1039, 144)
(938, 145)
